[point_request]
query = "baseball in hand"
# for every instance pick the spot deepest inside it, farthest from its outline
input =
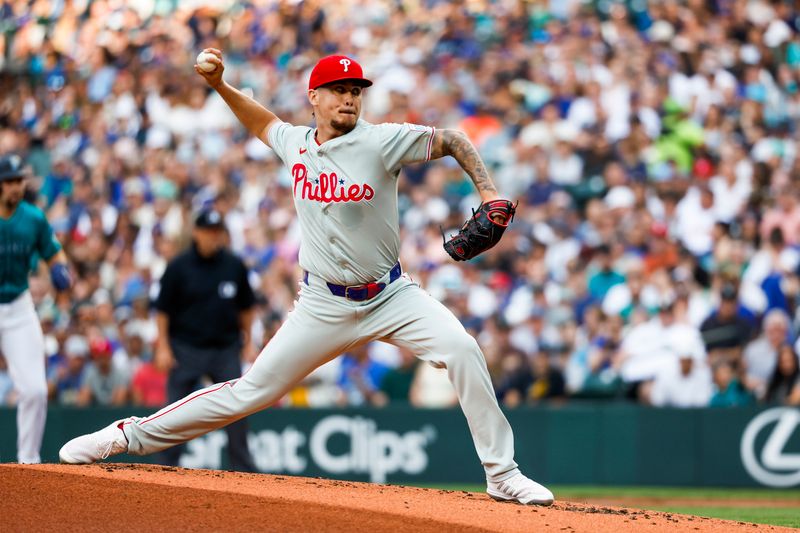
(204, 63)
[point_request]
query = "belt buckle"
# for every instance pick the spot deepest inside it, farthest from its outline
(352, 287)
(373, 289)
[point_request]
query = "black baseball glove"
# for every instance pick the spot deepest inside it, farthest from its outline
(481, 231)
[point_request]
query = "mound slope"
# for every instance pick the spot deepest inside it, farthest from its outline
(154, 498)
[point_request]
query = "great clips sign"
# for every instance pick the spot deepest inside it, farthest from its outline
(336, 446)
(631, 445)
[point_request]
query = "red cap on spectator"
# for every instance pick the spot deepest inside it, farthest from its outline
(703, 168)
(100, 347)
(500, 281)
(337, 68)
(659, 229)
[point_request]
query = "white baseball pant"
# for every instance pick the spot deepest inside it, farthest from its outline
(322, 326)
(22, 344)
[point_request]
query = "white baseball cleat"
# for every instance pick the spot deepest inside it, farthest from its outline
(93, 447)
(519, 488)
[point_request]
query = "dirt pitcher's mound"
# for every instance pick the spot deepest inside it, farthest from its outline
(109, 497)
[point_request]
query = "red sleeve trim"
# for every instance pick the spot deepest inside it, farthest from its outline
(430, 144)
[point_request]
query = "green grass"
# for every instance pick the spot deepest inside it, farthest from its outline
(761, 514)
(776, 516)
(578, 491)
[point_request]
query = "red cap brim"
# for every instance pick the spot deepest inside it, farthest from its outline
(362, 82)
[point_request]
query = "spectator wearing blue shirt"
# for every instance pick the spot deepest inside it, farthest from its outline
(360, 376)
(725, 332)
(66, 379)
(57, 183)
(604, 277)
(728, 389)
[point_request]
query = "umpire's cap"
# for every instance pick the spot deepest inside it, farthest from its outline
(209, 218)
(11, 167)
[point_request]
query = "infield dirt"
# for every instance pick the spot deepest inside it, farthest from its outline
(123, 497)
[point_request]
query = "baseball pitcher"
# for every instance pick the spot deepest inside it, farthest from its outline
(353, 290)
(24, 231)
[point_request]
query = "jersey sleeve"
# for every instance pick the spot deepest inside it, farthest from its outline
(46, 243)
(277, 137)
(405, 143)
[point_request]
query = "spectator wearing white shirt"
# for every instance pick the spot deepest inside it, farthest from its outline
(635, 293)
(431, 388)
(565, 168)
(761, 354)
(548, 130)
(584, 109)
(650, 349)
(696, 219)
(730, 193)
(687, 381)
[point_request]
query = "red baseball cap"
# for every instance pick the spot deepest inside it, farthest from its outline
(100, 347)
(337, 68)
(659, 229)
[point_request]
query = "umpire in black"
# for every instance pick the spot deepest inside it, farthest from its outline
(204, 312)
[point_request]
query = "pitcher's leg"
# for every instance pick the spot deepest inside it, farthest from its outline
(491, 432)
(227, 366)
(22, 344)
(305, 341)
(182, 381)
(414, 319)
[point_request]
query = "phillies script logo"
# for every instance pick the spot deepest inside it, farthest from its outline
(328, 187)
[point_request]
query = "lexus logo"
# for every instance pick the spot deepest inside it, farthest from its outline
(771, 464)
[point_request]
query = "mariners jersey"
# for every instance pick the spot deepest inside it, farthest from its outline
(24, 234)
(345, 194)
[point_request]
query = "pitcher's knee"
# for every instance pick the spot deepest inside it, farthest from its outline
(465, 347)
(252, 399)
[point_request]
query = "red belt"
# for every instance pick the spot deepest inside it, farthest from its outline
(360, 293)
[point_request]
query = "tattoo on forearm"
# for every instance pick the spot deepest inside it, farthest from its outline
(455, 143)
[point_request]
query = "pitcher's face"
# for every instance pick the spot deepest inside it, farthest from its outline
(337, 104)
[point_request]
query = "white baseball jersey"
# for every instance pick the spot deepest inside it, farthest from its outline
(345, 195)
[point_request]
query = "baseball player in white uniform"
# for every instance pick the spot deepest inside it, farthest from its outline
(24, 235)
(353, 291)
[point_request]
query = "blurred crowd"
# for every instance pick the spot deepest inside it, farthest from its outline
(652, 146)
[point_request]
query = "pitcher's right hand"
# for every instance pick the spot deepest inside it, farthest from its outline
(213, 78)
